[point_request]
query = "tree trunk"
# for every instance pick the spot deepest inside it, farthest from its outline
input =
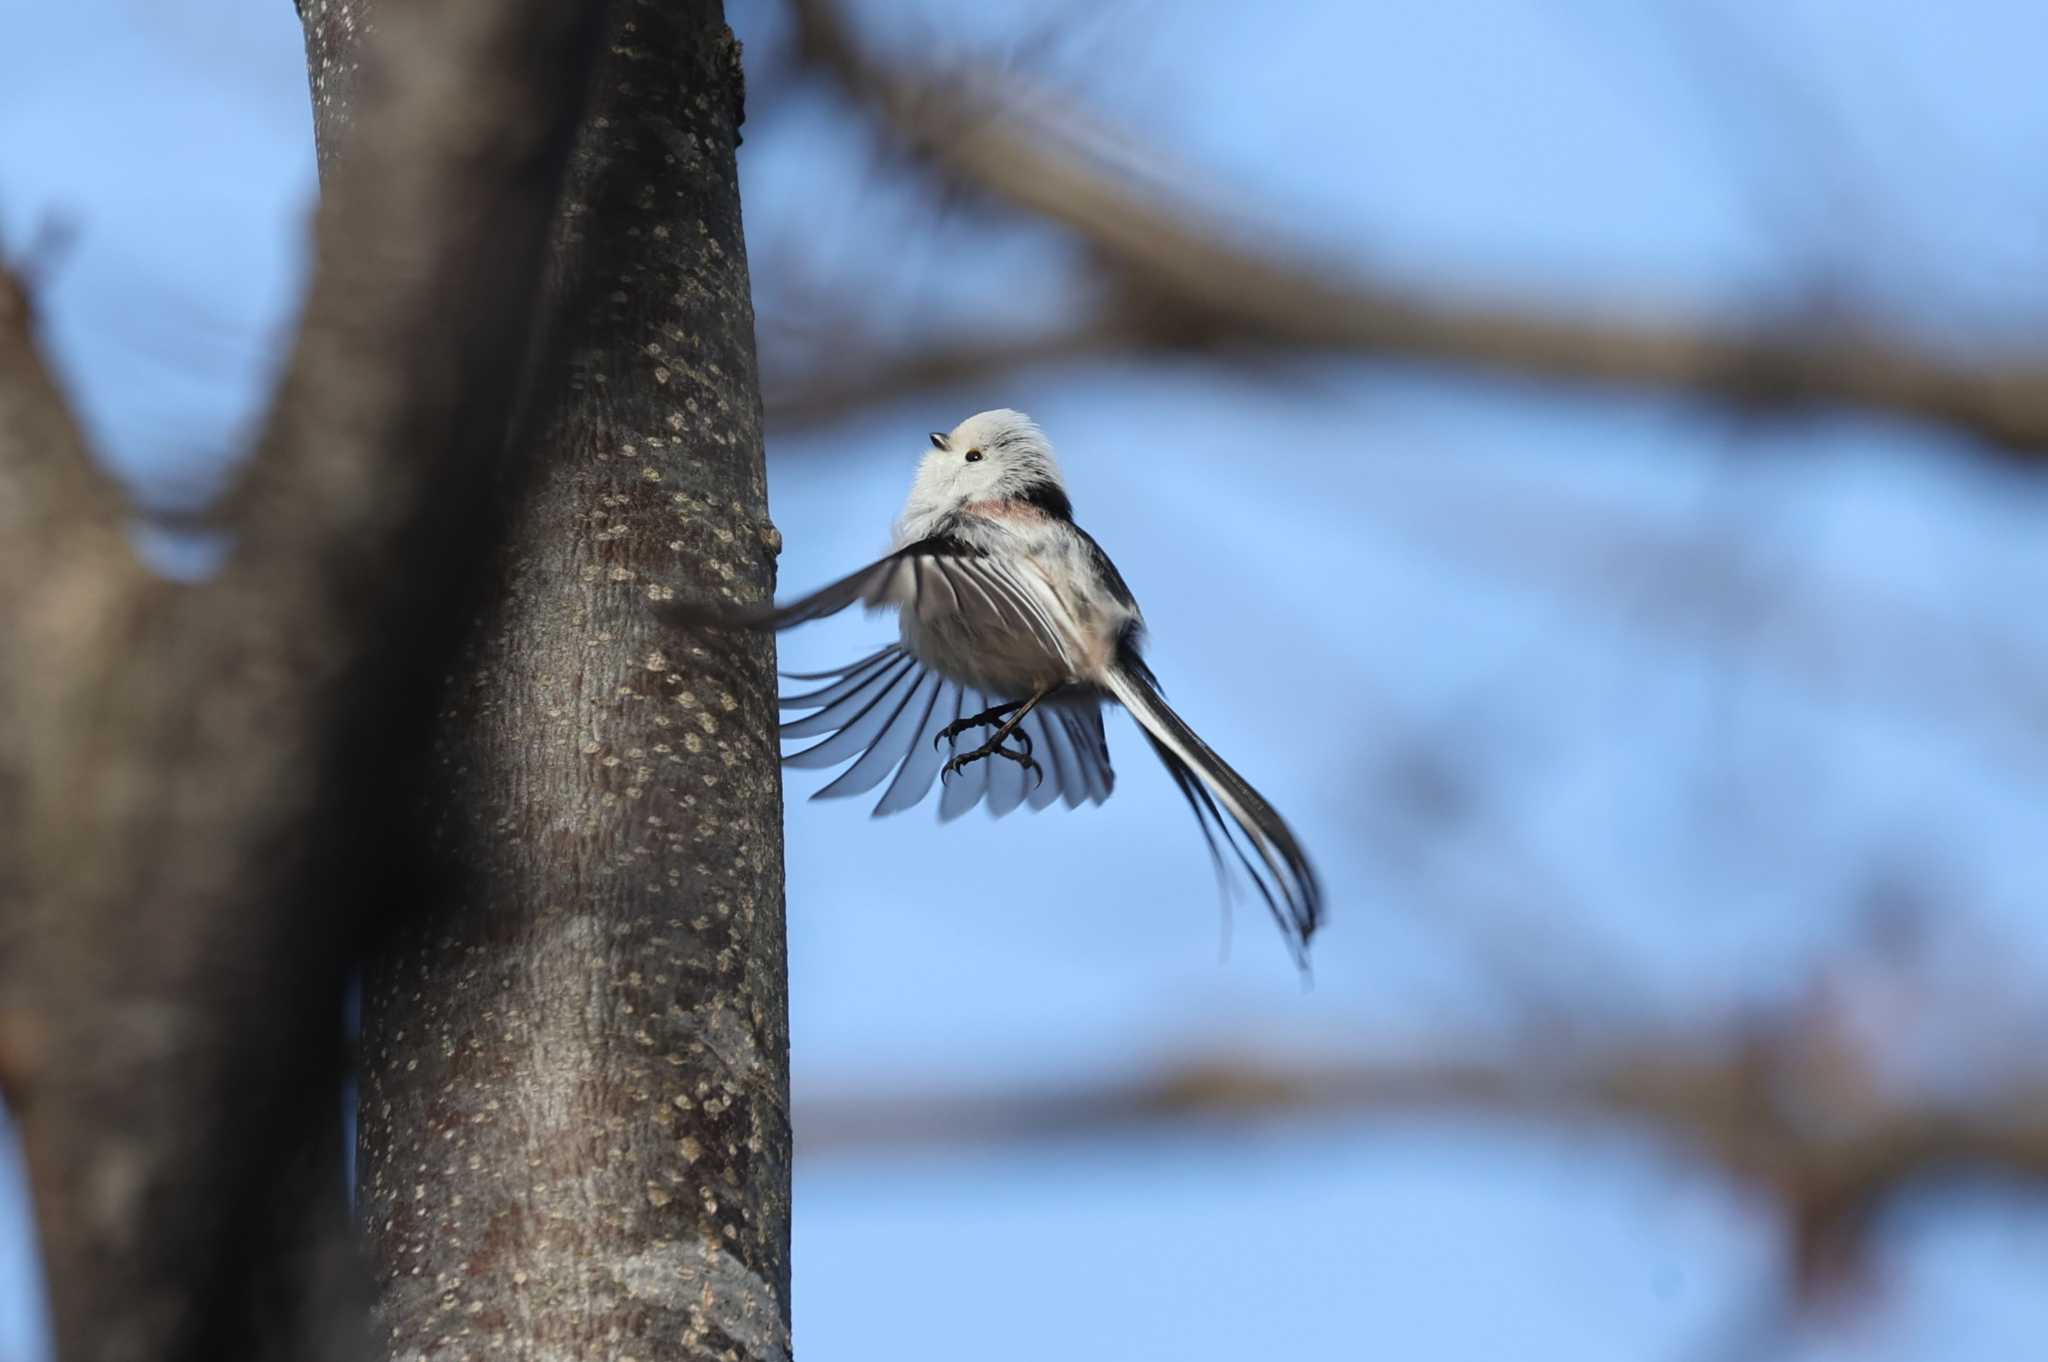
(574, 1133)
(198, 783)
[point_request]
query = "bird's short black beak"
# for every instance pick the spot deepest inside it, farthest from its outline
(938, 439)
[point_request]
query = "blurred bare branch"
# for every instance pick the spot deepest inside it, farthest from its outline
(829, 391)
(1785, 1108)
(1755, 1103)
(1177, 276)
(48, 482)
(61, 558)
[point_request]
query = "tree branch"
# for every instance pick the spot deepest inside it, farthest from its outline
(1173, 258)
(827, 392)
(61, 558)
(49, 486)
(1750, 1105)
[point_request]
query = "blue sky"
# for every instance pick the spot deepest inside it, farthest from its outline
(1703, 685)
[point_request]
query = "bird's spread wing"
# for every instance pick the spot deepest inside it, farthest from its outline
(1263, 846)
(942, 575)
(886, 581)
(884, 712)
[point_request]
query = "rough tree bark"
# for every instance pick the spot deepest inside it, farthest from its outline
(574, 1133)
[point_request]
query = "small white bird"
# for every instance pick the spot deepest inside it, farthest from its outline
(1012, 619)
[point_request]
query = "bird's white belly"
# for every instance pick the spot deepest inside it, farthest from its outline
(1008, 630)
(1006, 663)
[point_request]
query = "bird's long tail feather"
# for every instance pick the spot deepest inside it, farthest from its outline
(1255, 835)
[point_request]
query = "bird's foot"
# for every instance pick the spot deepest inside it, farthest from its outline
(982, 720)
(994, 749)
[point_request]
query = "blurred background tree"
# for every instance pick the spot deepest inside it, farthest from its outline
(1620, 425)
(419, 724)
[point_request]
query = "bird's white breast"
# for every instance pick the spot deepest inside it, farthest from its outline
(955, 630)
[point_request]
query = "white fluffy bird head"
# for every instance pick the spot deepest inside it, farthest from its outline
(998, 455)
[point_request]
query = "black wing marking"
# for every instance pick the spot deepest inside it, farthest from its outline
(1261, 843)
(1111, 578)
(1048, 496)
(883, 712)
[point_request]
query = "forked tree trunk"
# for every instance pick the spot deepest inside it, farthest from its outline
(574, 1132)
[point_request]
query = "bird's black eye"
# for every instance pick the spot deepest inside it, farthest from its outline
(974, 456)
(938, 440)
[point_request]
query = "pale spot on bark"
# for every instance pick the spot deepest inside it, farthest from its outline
(715, 1289)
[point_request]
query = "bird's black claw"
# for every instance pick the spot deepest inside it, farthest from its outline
(966, 759)
(988, 718)
(1023, 759)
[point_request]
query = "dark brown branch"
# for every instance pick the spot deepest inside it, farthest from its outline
(62, 560)
(49, 486)
(1176, 254)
